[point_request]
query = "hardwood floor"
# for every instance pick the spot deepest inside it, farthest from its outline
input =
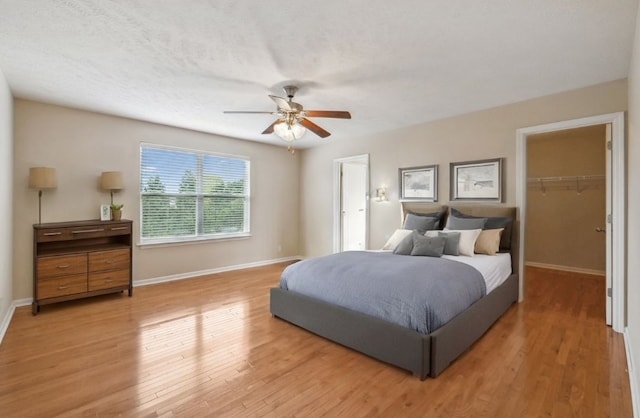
(209, 347)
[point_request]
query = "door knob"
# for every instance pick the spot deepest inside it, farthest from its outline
(598, 229)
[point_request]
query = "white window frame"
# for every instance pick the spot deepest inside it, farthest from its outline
(199, 237)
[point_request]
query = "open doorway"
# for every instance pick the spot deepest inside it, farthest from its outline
(566, 229)
(615, 183)
(351, 203)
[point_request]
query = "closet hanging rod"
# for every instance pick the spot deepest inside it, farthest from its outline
(565, 178)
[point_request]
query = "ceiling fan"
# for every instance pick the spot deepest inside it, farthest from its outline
(292, 121)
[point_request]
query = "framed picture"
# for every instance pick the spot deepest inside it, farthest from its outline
(419, 183)
(105, 213)
(477, 180)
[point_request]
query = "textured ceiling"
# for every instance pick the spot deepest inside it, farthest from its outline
(392, 64)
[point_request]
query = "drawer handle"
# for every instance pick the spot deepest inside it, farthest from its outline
(51, 234)
(86, 231)
(108, 280)
(63, 266)
(108, 261)
(63, 287)
(119, 228)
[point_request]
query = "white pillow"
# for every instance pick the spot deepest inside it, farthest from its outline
(468, 239)
(395, 239)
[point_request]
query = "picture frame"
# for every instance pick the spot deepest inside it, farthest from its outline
(479, 180)
(419, 183)
(105, 213)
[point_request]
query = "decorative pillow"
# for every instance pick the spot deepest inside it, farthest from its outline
(456, 223)
(493, 223)
(427, 246)
(406, 245)
(468, 239)
(488, 241)
(420, 223)
(395, 238)
(451, 243)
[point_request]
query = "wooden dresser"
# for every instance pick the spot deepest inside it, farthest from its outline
(73, 260)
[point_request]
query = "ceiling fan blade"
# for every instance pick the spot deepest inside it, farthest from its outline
(314, 128)
(269, 129)
(340, 114)
(250, 111)
(282, 103)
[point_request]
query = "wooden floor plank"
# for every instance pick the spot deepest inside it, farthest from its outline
(208, 346)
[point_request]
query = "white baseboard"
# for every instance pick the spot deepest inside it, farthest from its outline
(22, 302)
(4, 325)
(633, 379)
(565, 268)
(189, 275)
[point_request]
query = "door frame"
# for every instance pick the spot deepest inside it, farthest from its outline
(617, 183)
(337, 197)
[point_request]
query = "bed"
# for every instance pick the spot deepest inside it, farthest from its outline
(422, 354)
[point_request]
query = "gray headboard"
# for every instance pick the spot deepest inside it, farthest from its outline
(479, 210)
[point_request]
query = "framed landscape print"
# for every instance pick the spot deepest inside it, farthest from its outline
(476, 180)
(419, 183)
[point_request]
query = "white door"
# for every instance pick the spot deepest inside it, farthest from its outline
(353, 199)
(607, 228)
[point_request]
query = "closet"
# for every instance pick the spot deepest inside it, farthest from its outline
(566, 200)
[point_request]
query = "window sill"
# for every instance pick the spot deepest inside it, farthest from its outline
(192, 240)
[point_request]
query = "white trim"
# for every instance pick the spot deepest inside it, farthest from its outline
(4, 325)
(635, 395)
(193, 274)
(566, 268)
(203, 239)
(23, 302)
(6, 321)
(337, 215)
(619, 198)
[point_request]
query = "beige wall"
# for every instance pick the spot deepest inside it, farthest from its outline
(6, 183)
(81, 144)
(561, 220)
(484, 134)
(633, 196)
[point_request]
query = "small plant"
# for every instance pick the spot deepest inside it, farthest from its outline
(116, 206)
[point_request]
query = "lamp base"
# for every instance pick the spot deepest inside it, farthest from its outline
(39, 207)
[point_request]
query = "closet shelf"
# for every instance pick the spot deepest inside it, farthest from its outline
(564, 178)
(578, 183)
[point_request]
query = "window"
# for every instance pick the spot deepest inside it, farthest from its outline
(189, 195)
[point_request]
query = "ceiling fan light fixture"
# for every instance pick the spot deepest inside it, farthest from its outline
(289, 131)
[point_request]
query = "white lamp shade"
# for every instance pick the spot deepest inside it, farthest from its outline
(289, 132)
(42, 178)
(112, 180)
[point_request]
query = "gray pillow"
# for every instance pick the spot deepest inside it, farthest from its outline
(493, 223)
(454, 222)
(427, 246)
(451, 243)
(420, 223)
(405, 246)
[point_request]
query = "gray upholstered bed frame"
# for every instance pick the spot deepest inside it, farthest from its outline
(410, 350)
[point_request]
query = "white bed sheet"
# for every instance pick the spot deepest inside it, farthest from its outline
(495, 269)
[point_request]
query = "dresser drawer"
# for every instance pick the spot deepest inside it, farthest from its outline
(109, 260)
(62, 286)
(118, 229)
(64, 265)
(108, 279)
(57, 234)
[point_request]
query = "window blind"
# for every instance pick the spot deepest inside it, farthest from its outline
(187, 194)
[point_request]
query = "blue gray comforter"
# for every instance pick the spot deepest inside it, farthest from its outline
(420, 293)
